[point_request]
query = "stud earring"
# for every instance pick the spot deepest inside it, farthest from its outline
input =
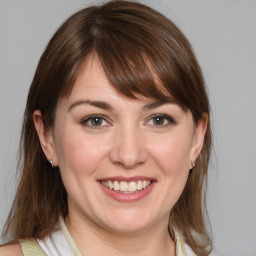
(193, 163)
(51, 163)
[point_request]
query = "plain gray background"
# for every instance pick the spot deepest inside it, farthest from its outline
(223, 34)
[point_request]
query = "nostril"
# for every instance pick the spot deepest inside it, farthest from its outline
(128, 153)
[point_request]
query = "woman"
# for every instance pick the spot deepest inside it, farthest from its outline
(115, 142)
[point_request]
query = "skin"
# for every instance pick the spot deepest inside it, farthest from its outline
(11, 250)
(129, 142)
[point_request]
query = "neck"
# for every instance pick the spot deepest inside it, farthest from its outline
(93, 240)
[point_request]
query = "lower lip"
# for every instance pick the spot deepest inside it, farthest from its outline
(128, 197)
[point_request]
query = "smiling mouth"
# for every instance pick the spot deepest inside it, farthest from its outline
(126, 187)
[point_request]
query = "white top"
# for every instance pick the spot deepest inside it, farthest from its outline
(60, 243)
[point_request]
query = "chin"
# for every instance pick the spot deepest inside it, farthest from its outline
(127, 228)
(128, 221)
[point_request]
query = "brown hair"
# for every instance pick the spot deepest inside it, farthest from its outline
(135, 45)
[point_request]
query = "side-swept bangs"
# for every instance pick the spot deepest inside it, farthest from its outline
(149, 57)
(142, 52)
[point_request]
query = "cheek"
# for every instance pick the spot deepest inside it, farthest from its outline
(78, 155)
(173, 159)
(173, 154)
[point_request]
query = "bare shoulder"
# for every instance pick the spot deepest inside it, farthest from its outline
(11, 250)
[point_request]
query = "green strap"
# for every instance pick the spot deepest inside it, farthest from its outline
(31, 248)
(69, 239)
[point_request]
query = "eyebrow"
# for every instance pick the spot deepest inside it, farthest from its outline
(159, 103)
(106, 106)
(98, 104)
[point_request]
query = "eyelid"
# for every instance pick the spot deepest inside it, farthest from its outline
(87, 118)
(169, 118)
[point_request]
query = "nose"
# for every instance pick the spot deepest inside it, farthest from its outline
(128, 148)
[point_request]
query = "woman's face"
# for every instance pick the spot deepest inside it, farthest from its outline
(124, 162)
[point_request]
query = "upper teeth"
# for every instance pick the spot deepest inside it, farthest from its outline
(124, 186)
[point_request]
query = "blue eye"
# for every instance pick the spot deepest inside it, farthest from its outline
(161, 120)
(95, 121)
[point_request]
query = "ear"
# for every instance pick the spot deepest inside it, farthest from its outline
(198, 138)
(45, 137)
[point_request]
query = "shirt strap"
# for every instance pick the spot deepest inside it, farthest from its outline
(68, 237)
(180, 247)
(31, 248)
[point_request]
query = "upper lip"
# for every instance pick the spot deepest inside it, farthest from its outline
(127, 179)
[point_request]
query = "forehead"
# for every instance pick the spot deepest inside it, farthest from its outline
(91, 73)
(91, 80)
(92, 77)
(93, 88)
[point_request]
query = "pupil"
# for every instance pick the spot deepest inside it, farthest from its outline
(96, 121)
(158, 120)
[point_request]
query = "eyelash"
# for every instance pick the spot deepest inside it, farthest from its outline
(166, 118)
(94, 117)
